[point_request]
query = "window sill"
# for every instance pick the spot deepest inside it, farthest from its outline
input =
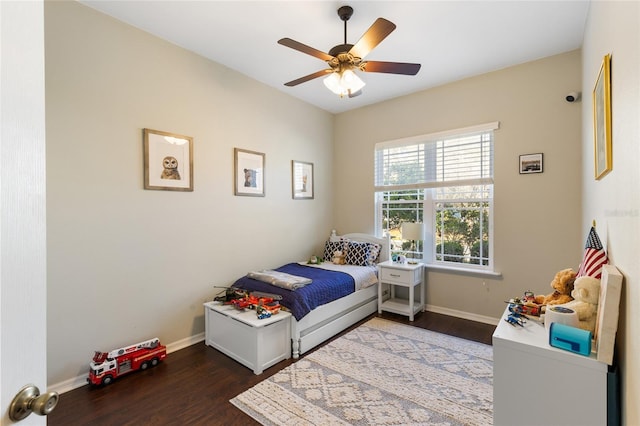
(464, 271)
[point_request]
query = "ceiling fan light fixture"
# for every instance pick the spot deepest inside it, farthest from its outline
(344, 83)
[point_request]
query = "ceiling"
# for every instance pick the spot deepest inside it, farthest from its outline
(451, 39)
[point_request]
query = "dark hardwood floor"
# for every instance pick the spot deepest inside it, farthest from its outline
(193, 386)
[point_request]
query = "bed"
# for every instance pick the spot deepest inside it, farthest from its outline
(338, 295)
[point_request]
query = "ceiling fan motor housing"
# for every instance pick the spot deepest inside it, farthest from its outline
(341, 48)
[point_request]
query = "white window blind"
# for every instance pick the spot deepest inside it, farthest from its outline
(454, 158)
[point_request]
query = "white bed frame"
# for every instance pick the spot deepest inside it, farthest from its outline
(328, 320)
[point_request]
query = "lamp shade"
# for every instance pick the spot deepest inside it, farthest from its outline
(412, 231)
(333, 83)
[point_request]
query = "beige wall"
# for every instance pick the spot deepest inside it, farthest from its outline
(126, 264)
(537, 229)
(614, 201)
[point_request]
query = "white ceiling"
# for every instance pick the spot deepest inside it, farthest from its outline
(451, 39)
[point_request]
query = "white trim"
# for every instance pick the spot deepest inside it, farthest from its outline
(466, 270)
(186, 342)
(464, 315)
(79, 381)
(438, 184)
(478, 128)
(70, 384)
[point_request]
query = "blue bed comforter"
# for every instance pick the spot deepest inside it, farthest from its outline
(326, 286)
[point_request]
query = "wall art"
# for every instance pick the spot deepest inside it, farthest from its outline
(168, 161)
(602, 120)
(302, 180)
(249, 171)
(530, 163)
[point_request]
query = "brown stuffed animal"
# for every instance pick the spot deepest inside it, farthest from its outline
(562, 285)
(338, 258)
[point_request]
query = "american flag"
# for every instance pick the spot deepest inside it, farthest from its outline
(594, 257)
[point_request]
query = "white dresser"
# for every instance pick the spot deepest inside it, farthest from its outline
(255, 343)
(536, 384)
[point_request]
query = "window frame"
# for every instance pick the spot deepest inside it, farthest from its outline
(429, 200)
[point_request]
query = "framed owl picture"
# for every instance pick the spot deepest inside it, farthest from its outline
(168, 161)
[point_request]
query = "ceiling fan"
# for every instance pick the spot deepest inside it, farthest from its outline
(344, 59)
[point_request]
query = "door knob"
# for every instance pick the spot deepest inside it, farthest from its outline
(29, 400)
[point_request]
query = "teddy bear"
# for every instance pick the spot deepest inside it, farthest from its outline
(338, 258)
(586, 293)
(562, 285)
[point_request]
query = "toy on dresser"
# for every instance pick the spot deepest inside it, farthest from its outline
(586, 294)
(525, 305)
(562, 286)
(533, 306)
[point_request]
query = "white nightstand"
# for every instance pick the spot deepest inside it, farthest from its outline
(402, 275)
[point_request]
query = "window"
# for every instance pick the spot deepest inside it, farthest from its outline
(445, 181)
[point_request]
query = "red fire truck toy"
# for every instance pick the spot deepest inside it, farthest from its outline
(107, 366)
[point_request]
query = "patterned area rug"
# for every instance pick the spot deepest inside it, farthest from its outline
(381, 373)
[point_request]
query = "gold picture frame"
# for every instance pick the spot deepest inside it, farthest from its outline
(168, 161)
(248, 172)
(301, 180)
(602, 120)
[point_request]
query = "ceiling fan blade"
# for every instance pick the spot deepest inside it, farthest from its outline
(304, 49)
(391, 67)
(377, 32)
(353, 95)
(308, 77)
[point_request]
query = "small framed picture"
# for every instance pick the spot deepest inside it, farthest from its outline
(530, 163)
(248, 173)
(168, 161)
(301, 180)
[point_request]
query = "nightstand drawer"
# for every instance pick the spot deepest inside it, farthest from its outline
(397, 275)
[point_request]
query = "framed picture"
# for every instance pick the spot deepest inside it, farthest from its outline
(301, 180)
(248, 173)
(168, 161)
(530, 163)
(602, 119)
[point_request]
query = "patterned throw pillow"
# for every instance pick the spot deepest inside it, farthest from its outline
(374, 252)
(332, 246)
(357, 253)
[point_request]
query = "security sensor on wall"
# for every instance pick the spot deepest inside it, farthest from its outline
(573, 97)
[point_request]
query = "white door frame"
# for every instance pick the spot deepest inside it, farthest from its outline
(23, 265)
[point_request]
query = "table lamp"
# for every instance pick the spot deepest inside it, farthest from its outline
(413, 232)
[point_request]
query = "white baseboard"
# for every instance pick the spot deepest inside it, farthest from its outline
(464, 315)
(76, 382)
(186, 342)
(67, 385)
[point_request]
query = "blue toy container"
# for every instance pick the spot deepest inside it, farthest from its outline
(570, 339)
